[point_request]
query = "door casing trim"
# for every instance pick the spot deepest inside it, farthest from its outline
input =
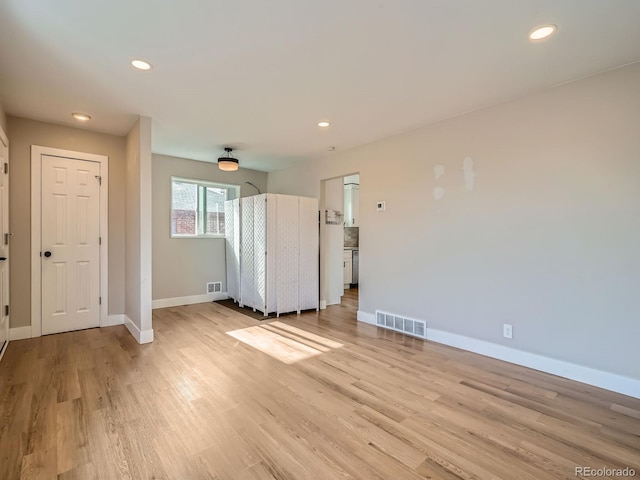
(4, 140)
(36, 230)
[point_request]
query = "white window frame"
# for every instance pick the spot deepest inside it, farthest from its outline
(200, 183)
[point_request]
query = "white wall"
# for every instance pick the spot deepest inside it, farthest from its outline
(23, 133)
(547, 240)
(195, 261)
(138, 231)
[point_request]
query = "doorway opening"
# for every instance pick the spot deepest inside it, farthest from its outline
(351, 246)
(340, 241)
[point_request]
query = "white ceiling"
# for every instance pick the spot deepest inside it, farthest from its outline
(260, 75)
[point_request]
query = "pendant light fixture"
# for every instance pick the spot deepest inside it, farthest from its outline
(228, 163)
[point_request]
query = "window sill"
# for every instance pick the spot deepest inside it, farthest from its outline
(197, 236)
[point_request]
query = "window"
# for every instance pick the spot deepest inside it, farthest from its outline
(197, 207)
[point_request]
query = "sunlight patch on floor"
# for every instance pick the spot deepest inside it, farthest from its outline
(289, 346)
(310, 336)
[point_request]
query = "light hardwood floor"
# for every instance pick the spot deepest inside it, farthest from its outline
(319, 396)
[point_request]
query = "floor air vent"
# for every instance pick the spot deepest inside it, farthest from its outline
(214, 287)
(410, 326)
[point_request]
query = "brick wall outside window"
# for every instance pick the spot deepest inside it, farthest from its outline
(183, 222)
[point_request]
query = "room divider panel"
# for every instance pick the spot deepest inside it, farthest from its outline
(272, 252)
(232, 235)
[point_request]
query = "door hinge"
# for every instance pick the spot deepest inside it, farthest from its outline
(6, 238)
(99, 240)
(6, 167)
(99, 300)
(99, 178)
(6, 310)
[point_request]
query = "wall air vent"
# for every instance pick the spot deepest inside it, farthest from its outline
(214, 287)
(409, 326)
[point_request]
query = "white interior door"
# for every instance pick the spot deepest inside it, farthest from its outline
(4, 244)
(70, 249)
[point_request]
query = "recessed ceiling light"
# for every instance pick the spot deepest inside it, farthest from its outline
(81, 117)
(543, 32)
(323, 124)
(141, 64)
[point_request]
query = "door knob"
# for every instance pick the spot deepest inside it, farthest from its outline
(47, 254)
(2, 259)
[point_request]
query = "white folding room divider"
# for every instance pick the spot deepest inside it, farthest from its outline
(273, 256)
(232, 234)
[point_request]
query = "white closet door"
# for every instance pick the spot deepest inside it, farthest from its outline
(232, 235)
(287, 255)
(247, 282)
(260, 251)
(309, 254)
(70, 236)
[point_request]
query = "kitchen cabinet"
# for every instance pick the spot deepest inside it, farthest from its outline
(351, 205)
(348, 268)
(355, 267)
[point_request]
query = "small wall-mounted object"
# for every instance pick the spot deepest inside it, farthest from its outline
(333, 217)
(381, 206)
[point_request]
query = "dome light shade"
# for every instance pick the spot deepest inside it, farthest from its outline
(228, 163)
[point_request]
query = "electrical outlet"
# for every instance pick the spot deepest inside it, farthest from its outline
(507, 330)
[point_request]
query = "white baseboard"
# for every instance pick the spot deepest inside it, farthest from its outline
(572, 371)
(141, 337)
(112, 320)
(190, 300)
(561, 368)
(20, 333)
(323, 304)
(366, 317)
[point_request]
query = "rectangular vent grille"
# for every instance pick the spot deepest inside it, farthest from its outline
(409, 326)
(214, 287)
